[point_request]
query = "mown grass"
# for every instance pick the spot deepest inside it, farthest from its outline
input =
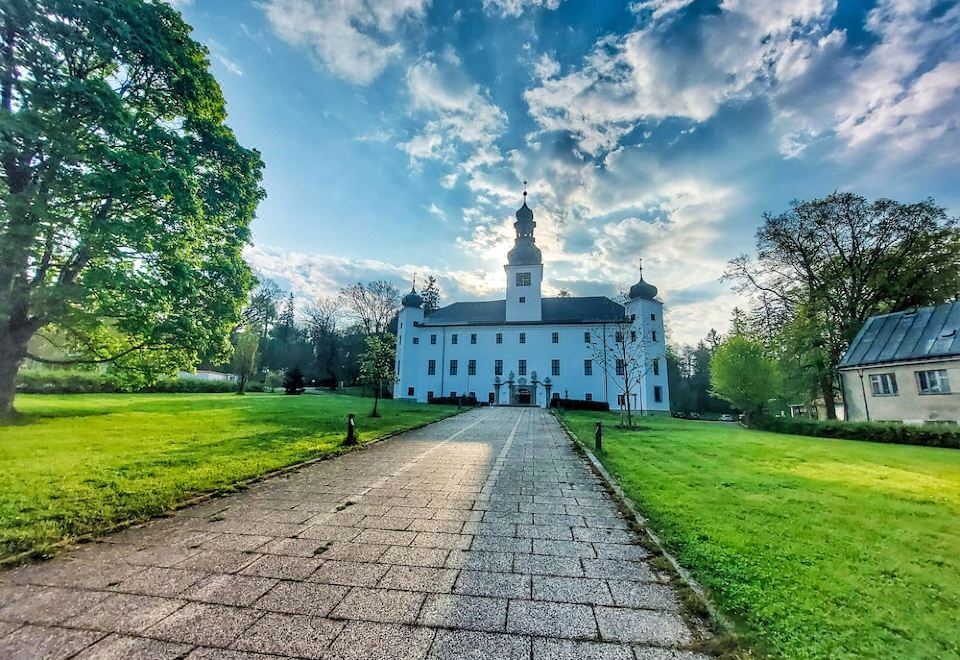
(815, 548)
(75, 464)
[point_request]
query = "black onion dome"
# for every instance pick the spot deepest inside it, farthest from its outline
(643, 290)
(524, 213)
(524, 252)
(412, 299)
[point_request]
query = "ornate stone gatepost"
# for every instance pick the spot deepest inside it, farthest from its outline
(533, 390)
(547, 388)
(496, 386)
(511, 389)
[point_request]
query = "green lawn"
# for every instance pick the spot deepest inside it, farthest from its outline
(815, 548)
(78, 463)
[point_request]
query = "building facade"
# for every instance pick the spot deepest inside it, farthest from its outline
(527, 349)
(905, 367)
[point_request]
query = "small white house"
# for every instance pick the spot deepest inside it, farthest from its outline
(905, 367)
(526, 349)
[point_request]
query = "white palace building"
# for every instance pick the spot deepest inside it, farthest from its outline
(527, 349)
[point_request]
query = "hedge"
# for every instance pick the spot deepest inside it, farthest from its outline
(888, 432)
(579, 404)
(89, 382)
(453, 400)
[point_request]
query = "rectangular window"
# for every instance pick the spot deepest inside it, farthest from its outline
(453, 394)
(433, 339)
(621, 400)
(554, 367)
(523, 299)
(934, 381)
(656, 366)
(588, 396)
(453, 338)
(618, 337)
(499, 337)
(883, 384)
(653, 317)
(555, 395)
(473, 337)
(416, 340)
(653, 335)
(658, 394)
(588, 367)
(431, 367)
(621, 367)
(523, 337)
(522, 368)
(409, 391)
(453, 367)
(498, 368)
(491, 397)
(523, 279)
(586, 337)
(472, 395)
(429, 395)
(472, 368)
(555, 337)
(633, 335)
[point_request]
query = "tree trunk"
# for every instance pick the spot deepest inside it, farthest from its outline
(826, 388)
(12, 354)
(376, 400)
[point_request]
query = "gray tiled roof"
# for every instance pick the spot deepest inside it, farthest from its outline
(913, 334)
(594, 309)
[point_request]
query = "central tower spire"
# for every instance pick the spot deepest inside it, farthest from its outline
(524, 269)
(525, 251)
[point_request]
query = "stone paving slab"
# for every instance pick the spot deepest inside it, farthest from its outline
(481, 536)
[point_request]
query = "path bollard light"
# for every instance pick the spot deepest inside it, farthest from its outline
(351, 431)
(598, 437)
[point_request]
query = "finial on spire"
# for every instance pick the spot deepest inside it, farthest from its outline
(413, 287)
(524, 192)
(640, 262)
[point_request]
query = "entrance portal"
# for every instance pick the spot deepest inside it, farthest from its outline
(523, 396)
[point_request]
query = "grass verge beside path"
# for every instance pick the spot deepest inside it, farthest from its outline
(815, 548)
(76, 464)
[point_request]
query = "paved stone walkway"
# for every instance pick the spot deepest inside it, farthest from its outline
(483, 536)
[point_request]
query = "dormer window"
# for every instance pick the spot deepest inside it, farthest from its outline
(523, 279)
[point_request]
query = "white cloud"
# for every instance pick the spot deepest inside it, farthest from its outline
(179, 4)
(517, 7)
(354, 39)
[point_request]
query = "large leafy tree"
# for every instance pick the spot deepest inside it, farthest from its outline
(743, 374)
(124, 199)
(377, 365)
(826, 265)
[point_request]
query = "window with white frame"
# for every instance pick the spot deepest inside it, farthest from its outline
(498, 367)
(621, 367)
(554, 367)
(588, 367)
(433, 339)
(933, 381)
(454, 338)
(883, 384)
(522, 367)
(523, 337)
(453, 367)
(586, 337)
(431, 367)
(555, 337)
(472, 368)
(523, 279)
(473, 337)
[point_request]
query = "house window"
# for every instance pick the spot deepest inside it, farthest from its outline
(555, 337)
(491, 397)
(472, 368)
(633, 335)
(656, 366)
(883, 384)
(523, 299)
(453, 367)
(409, 391)
(522, 368)
(935, 381)
(588, 367)
(653, 317)
(658, 394)
(621, 400)
(453, 394)
(588, 396)
(433, 339)
(498, 368)
(431, 367)
(499, 337)
(429, 395)
(586, 337)
(416, 340)
(523, 337)
(453, 338)
(621, 367)
(653, 335)
(523, 279)
(555, 367)
(473, 337)
(618, 337)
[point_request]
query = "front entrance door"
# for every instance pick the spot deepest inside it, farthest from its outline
(523, 396)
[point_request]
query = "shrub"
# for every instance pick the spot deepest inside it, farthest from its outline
(888, 432)
(579, 404)
(66, 381)
(453, 400)
(294, 382)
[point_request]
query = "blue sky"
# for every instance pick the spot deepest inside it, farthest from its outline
(396, 133)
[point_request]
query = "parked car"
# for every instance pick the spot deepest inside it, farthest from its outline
(694, 415)
(725, 417)
(742, 417)
(679, 415)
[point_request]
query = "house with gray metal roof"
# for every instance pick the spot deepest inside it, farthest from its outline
(527, 348)
(905, 367)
